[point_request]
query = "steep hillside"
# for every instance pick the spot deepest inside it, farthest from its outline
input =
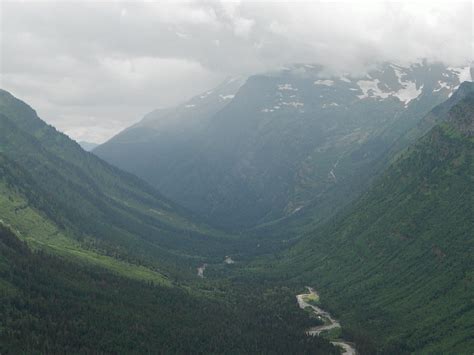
(286, 140)
(165, 137)
(96, 208)
(397, 265)
(94, 260)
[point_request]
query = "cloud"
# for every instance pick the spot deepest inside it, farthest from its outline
(92, 68)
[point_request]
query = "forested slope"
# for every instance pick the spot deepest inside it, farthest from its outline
(94, 260)
(397, 265)
(101, 207)
(49, 305)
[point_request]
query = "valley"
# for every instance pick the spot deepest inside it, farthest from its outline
(237, 177)
(60, 205)
(282, 142)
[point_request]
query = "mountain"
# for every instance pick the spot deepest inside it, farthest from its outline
(164, 137)
(282, 142)
(88, 146)
(84, 206)
(94, 260)
(397, 264)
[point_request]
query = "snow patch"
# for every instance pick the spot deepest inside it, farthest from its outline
(326, 82)
(331, 104)
(408, 92)
(464, 74)
(190, 106)
(287, 87)
(203, 96)
(295, 104)
(226, 97)
(442, 85)
(370, 88)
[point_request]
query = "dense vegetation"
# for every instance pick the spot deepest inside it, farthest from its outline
(397, 265)
(49, 305)
(94, 260)
(100, 206)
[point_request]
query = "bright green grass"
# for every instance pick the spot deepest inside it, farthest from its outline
(40, 233)
(312, 298)
(332, 334)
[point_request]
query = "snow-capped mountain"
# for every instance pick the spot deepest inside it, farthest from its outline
(252, 151)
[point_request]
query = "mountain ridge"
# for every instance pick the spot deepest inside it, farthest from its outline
(284, 140)
(103, 208)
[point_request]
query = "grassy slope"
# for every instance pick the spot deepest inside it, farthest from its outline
(40, 233)
(102, 207)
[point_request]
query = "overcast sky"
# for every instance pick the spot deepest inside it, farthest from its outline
(92, 68)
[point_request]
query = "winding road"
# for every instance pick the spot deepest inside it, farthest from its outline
(331, 323)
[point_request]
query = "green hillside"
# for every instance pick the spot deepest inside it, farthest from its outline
(100, 207)
(397, 266)
(92, 260)
(50, 305)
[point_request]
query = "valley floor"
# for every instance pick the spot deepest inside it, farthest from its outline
(329, 322)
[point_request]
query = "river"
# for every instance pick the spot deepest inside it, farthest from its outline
(330, 322)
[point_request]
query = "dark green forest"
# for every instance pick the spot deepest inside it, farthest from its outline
(397, 265)
(50, 305)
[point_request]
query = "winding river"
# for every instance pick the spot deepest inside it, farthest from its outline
(330, 322)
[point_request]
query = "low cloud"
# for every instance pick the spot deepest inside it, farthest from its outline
(93, 68)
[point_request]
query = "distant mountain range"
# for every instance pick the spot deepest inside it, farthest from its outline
(256, 150)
